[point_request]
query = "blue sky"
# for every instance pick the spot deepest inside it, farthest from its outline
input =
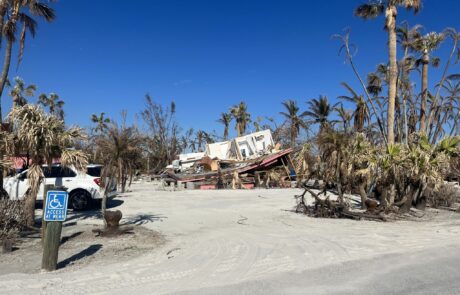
(206, 55)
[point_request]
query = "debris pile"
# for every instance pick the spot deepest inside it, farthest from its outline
(245, 162)
(327, 208)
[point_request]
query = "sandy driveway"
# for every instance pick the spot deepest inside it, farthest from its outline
(238, 242)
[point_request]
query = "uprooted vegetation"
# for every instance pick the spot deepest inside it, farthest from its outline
(388, 179)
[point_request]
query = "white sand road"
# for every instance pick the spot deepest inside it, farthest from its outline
(248, 242)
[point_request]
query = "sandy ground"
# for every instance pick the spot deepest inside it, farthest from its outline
(245, 242)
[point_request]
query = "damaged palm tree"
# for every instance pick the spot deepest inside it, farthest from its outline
(45, 138)
(121, 154)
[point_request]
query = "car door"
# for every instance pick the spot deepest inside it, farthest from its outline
(59, 176)
(21, 184)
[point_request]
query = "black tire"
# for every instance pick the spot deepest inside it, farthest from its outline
(80, 200)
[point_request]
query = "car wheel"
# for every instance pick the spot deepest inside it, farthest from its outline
(80, 200)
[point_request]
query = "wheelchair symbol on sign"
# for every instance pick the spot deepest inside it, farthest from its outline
(55, 203)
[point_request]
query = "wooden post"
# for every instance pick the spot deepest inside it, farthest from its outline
(46, 188)
(287, 169)
(51, 245)
(52, 234)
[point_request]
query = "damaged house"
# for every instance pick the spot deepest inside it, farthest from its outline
(252, 160)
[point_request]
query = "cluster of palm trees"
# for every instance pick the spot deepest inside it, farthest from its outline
(242, 118)
(403, 142)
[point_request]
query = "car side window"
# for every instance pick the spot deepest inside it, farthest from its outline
(47, 172)
(58, 172)
(67, 172)
(94, 171)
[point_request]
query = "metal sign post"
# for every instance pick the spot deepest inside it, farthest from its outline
(55, 213)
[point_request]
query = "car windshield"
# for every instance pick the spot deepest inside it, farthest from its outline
(94, 171)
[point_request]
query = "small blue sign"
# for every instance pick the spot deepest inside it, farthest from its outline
(56, 206)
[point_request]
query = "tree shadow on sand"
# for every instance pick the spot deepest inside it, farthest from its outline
(65, 239)
(91, 250)
(142, 219)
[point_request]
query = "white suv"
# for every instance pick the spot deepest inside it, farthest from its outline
(83, 188)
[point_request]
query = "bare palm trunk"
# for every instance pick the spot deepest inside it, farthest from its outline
(3, 77)
(406, 131)
(104, 198)
(226, 132)
(5, 71)
(338, 179)
(363, 194)
(425, 61)
(293, 136)
(393, 72)
(443, 79)
(440, 126)
(369, 99)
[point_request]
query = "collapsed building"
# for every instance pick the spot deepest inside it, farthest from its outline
(248, 161)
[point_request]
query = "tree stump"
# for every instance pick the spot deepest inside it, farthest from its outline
(112, 218)
(113, 228)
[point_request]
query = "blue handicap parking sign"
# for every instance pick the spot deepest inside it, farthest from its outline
(56, 206)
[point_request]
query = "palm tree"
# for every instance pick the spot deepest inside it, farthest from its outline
(256, 123)
(345, 116)
(53, 103)
(242, 117)
(406, 36)
(361, 112)
(450, 108)
(202, 138)
(45, 138)
(12, 14)
(121, 151)
(425, 45)
(100, 121)
(225, 119)
(390, 9)
(333, 147)
(319, 111)
(20, 92)
(294, 119)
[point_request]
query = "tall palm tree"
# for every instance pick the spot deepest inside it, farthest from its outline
(406, 36)
(20, 92)
(360, 114)
(389, 8)
(294, 119)
(12, 14)
(225, 119)
(242, 117)
(100, 121)
(319, 112)
(54, 105)
(45, 138)
(425, 45)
